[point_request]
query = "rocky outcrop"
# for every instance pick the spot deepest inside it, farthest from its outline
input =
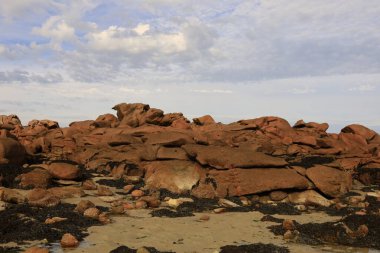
(203, 158)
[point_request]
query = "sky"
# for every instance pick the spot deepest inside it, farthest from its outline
(234, 59)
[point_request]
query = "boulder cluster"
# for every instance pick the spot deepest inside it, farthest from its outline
(202, 158)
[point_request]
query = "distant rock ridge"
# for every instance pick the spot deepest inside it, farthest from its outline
(202, 157)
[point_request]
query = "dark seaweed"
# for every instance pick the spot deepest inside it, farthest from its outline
(25, 223)
(254, 248)
(117, 183)
(125, 249)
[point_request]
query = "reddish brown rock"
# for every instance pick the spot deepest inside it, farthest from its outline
(363, 131)
(66, 171)
(137, 193)
(278, 195)
(11, 151)
(11, 196)
(107, 120)
(65, 192)
(9, 122)
(92, 213)
(169, 138)
(89, 184)
(69, 241)
(183, 174)
(36, 250)
(223, 157)
(237, 182)
(104, 191)
(42, 198)
(83, 205)
(165, 153)
(204, 120)
(37, 178)
(330, 181)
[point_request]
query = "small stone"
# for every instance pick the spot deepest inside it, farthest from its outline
(128, 188)
(140, 204)
(83, 205)
(227, 203)
(129, 206)
(288, 225)
(361, 212)
(362, 231)
(291, 235)
(92, 213)
(245, 201)
(278, 195)
(69, 241)
(152, 202)
(117, 209)
(204, 217)
(137, 193)
(301, 207)
(104, 219)
(132, 179)
(54, 220)
(89, 185)
(219, 210)
(36, 250)
(104, 191)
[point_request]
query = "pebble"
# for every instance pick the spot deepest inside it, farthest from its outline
(288, 225)
(69, 241)
(104, 191)
(36, 250)
(92, 213)
(204, 217)
(219, 210)
(89, 185)
(54, 220)
(83, 205)
(137, 193)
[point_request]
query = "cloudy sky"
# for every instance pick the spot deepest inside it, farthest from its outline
(71, 60)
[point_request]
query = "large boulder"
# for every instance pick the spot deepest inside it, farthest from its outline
(137, 114)
(363, 131)
(64, 170)
(168, 138)
(204, 120)
(330, 181)
(174, 175)
(9, 122)
(224, 157)
(238, 182)
(37, 178)
(11, 151)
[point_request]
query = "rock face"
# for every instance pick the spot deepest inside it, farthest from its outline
(183, 175)
(11, 151)
(237, 182)
(66, 171)
(330, 181)
(145, 146)
(227, 157)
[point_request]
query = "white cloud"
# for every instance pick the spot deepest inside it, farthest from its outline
(2, 49)
(303, 90)
(222, 91)
(117, 39)
(57, 30)
(140, 29)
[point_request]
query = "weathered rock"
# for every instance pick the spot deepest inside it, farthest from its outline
(62, 170)
(170, 139)
(89, 184)
(92, 213)
(11, 196)
(183, 175)
(165, 153)
(83, 205)
(330, 181)
(106, 120)
(104, 191)
(288, 225)
(237, 182)
(54, 220)
(223, 157)
(42, 198)
(36, 250)
(69, 241)
(363, 131)
(309, 197)
(277, 195)
(204, 120)
(65, 192)
(11, 151)
(38, 178)
(137, 193)
(9, 122)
